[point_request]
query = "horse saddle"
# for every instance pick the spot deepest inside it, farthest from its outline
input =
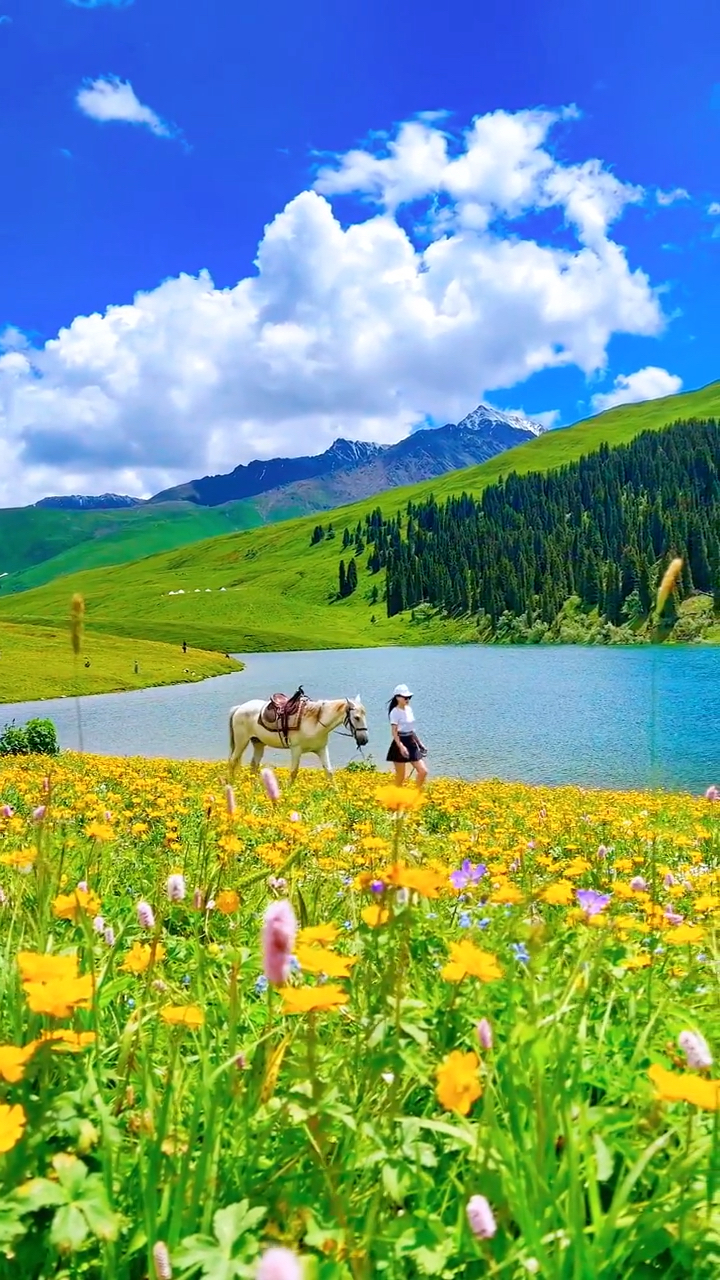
(281, 714)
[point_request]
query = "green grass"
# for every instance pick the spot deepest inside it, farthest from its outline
(279, 591)
(37, 662)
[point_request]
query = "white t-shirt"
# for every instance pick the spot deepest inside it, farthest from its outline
(404, 719)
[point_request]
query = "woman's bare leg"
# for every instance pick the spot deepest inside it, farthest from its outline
(420, 772)
(400, 768)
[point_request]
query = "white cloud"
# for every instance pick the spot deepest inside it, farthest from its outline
(360, 330)
(672, 197)
(649, 383)
(714, 209)
(111, 99)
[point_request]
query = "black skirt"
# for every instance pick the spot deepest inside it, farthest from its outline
(414, 750)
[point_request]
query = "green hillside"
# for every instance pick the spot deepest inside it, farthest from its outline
(38, 545)
(267, 588)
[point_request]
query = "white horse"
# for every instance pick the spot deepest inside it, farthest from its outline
(317, 723)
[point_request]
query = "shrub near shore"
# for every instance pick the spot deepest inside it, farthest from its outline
(486, 1048)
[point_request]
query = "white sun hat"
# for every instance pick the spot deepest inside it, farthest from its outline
(401, 691)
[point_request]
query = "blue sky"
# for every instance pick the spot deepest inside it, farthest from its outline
(413, 264)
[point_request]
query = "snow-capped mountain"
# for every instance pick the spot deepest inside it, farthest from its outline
(486, 416)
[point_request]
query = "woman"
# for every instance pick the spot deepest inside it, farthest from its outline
(405, 748)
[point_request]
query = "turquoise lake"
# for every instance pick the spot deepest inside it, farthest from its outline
(597, 717)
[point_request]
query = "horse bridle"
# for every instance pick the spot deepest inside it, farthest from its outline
(348, 723)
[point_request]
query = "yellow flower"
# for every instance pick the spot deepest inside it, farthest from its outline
(12, 1125)
(230, 845)
(60, 997)
(227, 902)
(467, 960)
(506, 894)
(683, 934)
(183, 1015)
(320, 960)
(63, 1041)
(560, 894)
(19, 858)
(458, 1084)
(139, 957)
(100, 831)
(674, 1087)
(422, 880)
(398, 799)
(36, 966)
(13, 1061)
(640, 961)
(322, 935)
(375, 915)
(705, 903)
(308, 999)
(71, 906)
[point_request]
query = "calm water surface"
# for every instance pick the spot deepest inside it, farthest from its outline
(552, 715)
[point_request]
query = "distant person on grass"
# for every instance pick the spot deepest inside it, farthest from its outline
(405, 748)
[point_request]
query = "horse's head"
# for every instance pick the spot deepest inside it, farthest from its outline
(356, 720)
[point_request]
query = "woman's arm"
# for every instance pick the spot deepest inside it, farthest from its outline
(396, 736)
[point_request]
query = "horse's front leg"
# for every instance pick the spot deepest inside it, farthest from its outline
(323, 756)
(295, 755)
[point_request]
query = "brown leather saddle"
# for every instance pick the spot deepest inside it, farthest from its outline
(282, 714)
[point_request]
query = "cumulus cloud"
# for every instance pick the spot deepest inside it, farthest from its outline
(714, 209)
(649, 383)
(360, 330)
(111, 99)
(672, 197)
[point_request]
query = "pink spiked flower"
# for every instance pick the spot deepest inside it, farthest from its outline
(278, 940)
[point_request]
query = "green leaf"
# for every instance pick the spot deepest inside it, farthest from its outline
(39, 1193)
(233, 1222)
(69, 1229)
(603, 1159)
(71, 1173)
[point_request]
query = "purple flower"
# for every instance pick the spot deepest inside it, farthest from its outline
(480, 1217)
(279, 1264)
(669, 880)
(465, 920)
(484, 1034)
(377, 886)
(673, 917)
(98, 924)
(278, 940)
(712, 793)
(467, 874)
(695, 1048)
(602, 851)
(176, 887)
(520, 952)
(82, 886)
(7, 811)
(109, 935)
(145, 915)
(639, 884)
(39, 813)
(591, 901)
(270, 783)
(277, 883)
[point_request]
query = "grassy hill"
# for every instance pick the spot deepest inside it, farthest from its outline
(37, 662)
(38, 545)
(268, 589)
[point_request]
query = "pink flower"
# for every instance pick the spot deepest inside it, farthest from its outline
(39, 813)
(270, 784)
(230, 800)
(161, 1261)
(638, 884)
(481, 1218)
(99, 924)
(145, 915)
(602, 851)
(176, 887)
(7, 811)
(278, 940)
(109, 935)
(279, 1264)
(695, 1048)
(712, 793)
(295, 816)
(82, 886)
(484, 1034)
(198, 900)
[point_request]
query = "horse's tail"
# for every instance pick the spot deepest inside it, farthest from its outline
(232, 733)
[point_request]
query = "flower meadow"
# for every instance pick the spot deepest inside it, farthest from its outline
(352, 1031)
